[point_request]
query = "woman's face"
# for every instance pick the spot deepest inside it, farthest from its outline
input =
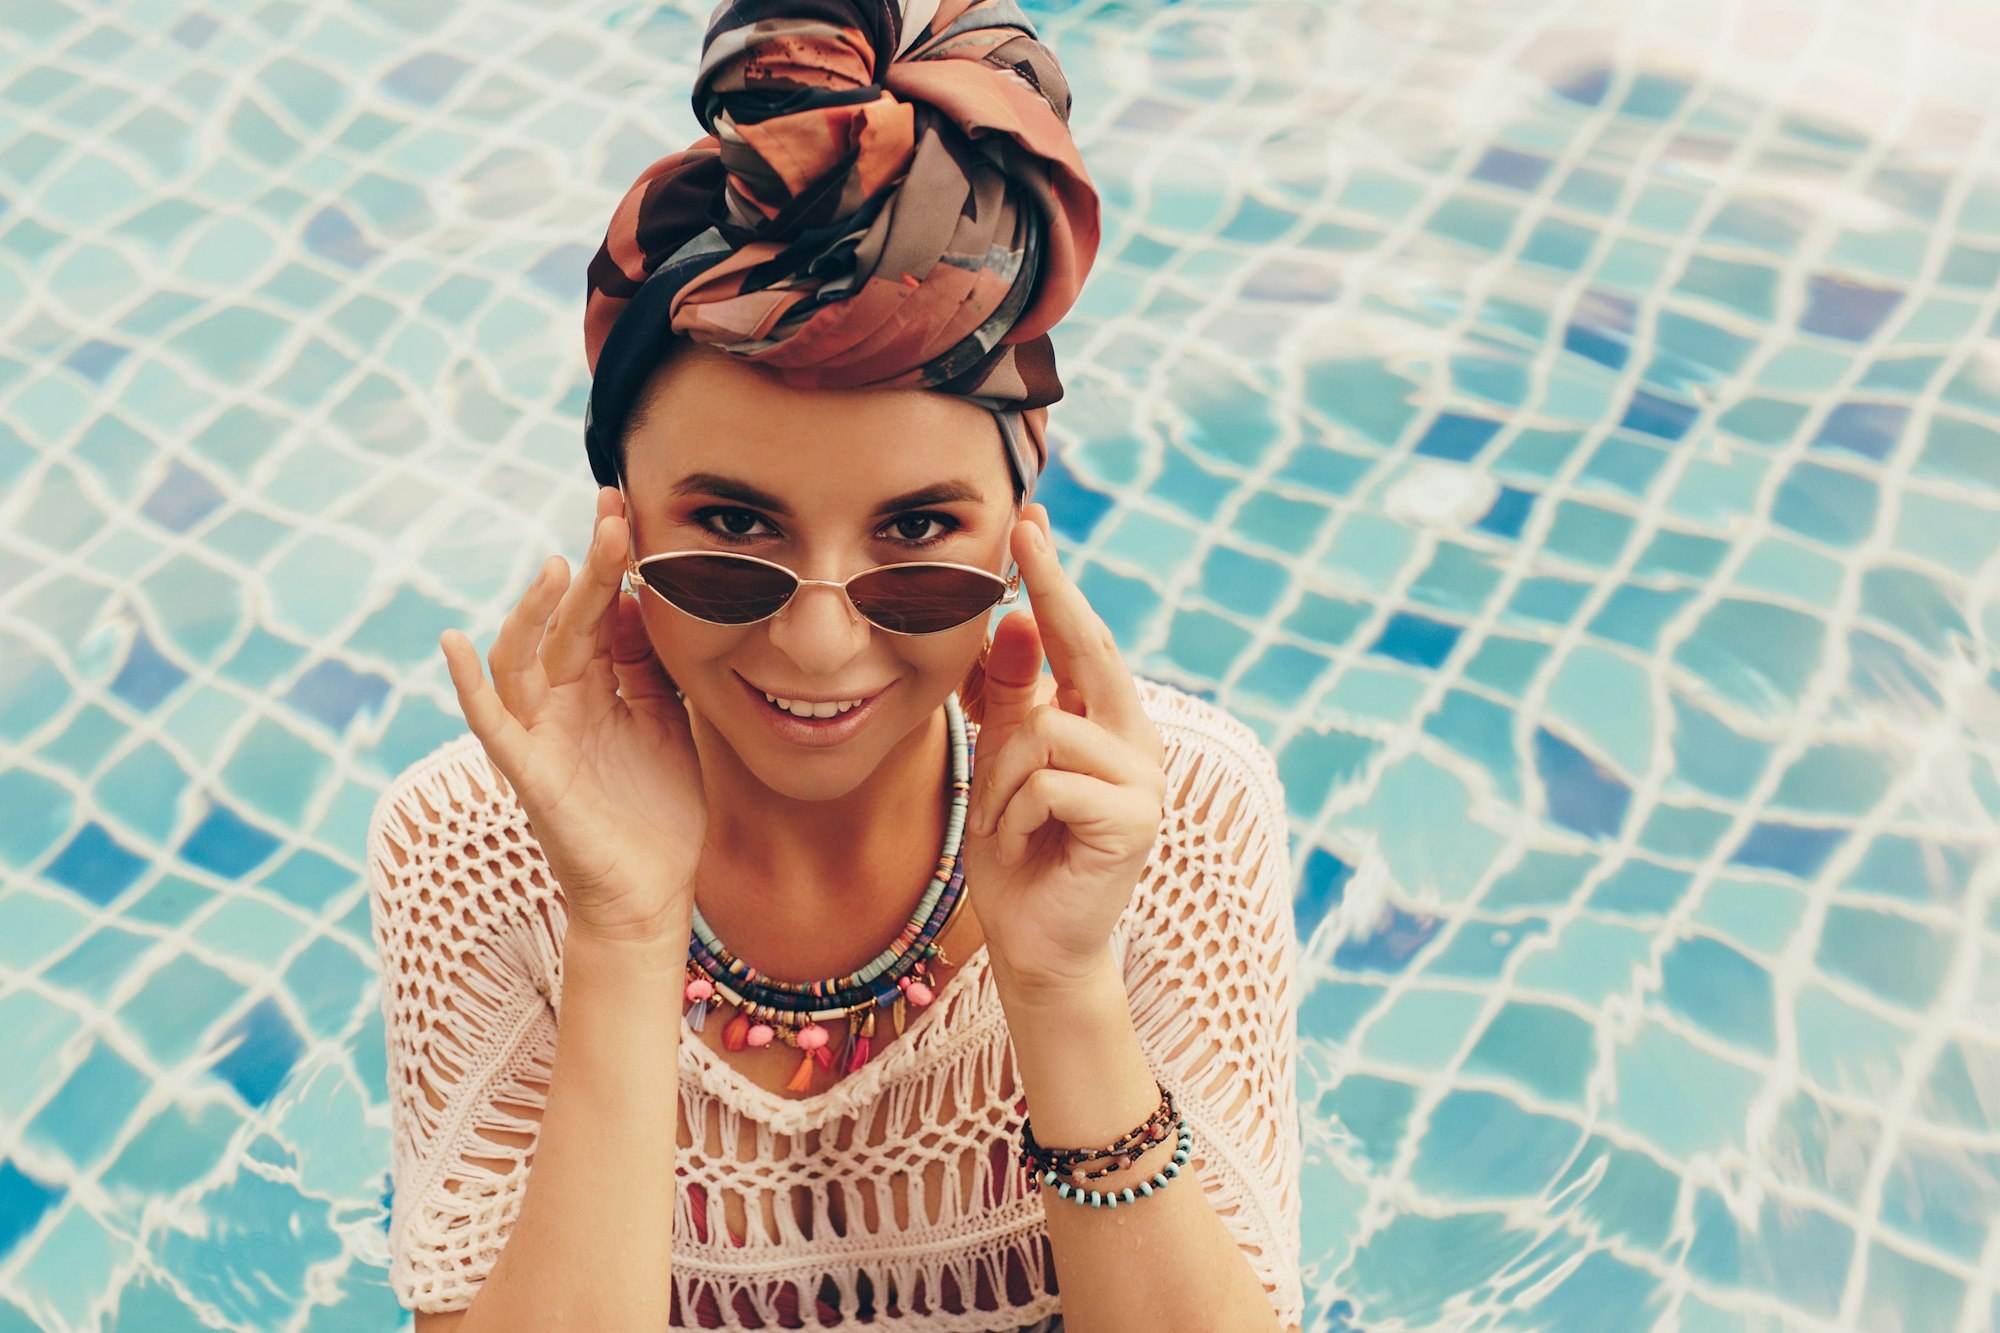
(723, 456)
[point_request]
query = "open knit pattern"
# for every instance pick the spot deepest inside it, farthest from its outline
(469, 927)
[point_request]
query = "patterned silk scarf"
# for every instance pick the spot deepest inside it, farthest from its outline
(887, 196)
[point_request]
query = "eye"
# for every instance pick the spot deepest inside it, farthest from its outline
(735, 522)
(916, 528)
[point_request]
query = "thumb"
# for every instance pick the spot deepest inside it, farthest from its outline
(1013, 671)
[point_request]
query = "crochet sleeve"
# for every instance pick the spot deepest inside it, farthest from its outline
(469, 1034)
(1210, 968)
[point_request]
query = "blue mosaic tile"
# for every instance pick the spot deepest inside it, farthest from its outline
(1718, 989)
(1417, 640)
(1902, 960)
(1547, 1050)
(1780, 1251)
(1582, 796)
(1742, 382)
(95, 865)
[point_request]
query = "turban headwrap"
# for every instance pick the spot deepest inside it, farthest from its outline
(887, 196)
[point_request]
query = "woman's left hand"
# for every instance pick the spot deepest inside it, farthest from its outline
(1066, 796)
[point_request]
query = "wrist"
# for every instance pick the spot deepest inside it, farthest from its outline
(668, 930)
(1045, 989)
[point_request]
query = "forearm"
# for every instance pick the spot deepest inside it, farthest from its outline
(1136, 1268)
(593, 1245)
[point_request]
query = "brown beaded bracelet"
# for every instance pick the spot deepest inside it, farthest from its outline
(1125, 1151)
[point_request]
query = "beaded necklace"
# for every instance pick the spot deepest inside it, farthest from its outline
(901, 976)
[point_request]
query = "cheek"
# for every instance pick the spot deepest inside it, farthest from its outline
(681, 641)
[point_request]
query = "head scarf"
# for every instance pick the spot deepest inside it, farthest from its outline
(887, 196)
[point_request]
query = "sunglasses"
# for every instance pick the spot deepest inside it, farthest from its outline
(918, 597)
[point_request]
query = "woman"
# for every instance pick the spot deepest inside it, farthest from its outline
(679, 923)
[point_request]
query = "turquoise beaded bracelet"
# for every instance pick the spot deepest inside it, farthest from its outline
(1130, 1194)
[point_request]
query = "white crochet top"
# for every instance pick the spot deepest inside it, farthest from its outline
(469, 927)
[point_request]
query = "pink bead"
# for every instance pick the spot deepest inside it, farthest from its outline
(811, 1037)
(760, 1034)
(700, 988)
(918, 994)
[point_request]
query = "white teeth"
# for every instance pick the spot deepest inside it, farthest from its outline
(800, 708)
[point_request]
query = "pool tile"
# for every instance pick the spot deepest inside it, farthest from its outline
(1505, 663)
(1846, 1049)
(1421, 1030)
(1482, 731)
(1549, 1051)
(1654, 1071)
(1374, 1111)
(1901, 960)
(1720, 990)
(1588, 962)
(1482, 1146)
(1903, 1288)
(1540, 878)
(1828, 504)
(1781, 1250)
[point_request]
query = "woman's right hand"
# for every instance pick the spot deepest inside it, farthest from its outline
(583, 722)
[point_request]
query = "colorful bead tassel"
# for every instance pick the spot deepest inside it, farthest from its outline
(736, 1032)
(802, 1078)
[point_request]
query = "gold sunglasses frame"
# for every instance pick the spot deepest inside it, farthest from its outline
(1010, 587)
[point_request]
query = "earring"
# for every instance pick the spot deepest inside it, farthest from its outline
(972, 690)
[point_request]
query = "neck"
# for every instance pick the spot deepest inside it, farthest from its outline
(861, 860)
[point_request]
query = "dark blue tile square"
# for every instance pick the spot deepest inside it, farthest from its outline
(183, 498)
(96, 865)
(1652, 414)
(146, 677)
(1418, 640)
(1074, 508)
(1583, 796)
(1516, 170)
(265, 1047)
(1509, 513)
(1795, 849)
(1868, 429)
(1457, 437)
(227, 844)
(333, 692)
(1841, 308)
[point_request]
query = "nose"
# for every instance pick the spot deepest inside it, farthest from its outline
(819, 629)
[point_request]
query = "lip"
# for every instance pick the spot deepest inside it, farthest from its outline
(814, 732)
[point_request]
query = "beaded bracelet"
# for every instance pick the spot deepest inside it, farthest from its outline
(1130, 1194)
(1123, 1152)
(1049, 1165)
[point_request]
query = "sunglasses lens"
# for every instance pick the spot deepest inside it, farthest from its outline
(924, 599)
(721, 588)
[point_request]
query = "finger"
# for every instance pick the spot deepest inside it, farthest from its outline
(1094, 812)
(573, 635)
(641, 675)
(506, 741)
(1013, 677)
(514, 659)
(1082, 654)
(1051, 738)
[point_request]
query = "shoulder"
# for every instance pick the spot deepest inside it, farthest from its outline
(436, 802)
(1207, 749)
(447, 842)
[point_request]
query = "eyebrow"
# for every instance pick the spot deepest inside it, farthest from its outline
(729, 488)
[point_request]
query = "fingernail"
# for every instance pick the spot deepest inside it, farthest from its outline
(1035, 542)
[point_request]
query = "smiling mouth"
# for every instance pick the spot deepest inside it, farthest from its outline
(801, 708)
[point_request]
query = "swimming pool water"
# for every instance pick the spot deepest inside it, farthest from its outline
(1567, 430)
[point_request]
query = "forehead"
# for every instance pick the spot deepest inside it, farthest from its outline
(708, 411)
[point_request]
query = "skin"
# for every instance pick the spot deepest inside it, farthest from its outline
(837, 834)
(804, 859)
